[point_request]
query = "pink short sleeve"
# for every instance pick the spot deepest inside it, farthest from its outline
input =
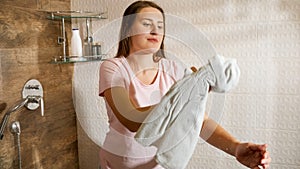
(110, 75)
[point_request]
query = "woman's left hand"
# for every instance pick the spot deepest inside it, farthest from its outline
(253, 156)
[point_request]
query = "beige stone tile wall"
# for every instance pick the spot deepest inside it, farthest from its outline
(28, 41)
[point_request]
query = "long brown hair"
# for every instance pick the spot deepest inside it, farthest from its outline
(127, 22)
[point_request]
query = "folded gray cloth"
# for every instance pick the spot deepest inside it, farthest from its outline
(174, 125)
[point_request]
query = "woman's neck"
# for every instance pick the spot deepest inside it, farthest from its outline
(144, 68)
(140, 62)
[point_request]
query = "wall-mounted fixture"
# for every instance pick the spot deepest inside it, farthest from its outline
(34, 91)
(16, 130)
(32, 98)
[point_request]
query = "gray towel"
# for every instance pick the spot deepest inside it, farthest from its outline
(174, 125)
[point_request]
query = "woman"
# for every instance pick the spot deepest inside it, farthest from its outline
(135, 80)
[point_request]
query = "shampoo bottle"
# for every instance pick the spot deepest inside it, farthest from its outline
(76, 43)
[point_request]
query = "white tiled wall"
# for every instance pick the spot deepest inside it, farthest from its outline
(264, 36)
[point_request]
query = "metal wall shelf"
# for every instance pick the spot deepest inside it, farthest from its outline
(62, 16)
(71, 59)
(75, 14)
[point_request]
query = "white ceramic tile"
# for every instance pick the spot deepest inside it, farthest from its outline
(269, 76)
(279, 40)
(233, 40)
(239, 114)
(278, 112)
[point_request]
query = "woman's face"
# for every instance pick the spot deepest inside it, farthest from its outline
(147, 31)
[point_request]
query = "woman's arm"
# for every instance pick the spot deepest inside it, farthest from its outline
(218, 137)
(251, 155)
(129, 115)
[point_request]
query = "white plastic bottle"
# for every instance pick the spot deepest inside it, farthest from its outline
(76, 44)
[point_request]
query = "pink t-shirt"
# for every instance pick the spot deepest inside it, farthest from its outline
(116, 72)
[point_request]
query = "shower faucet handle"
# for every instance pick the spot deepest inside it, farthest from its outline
(35, 102)
(33, 90)
(42, 106)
